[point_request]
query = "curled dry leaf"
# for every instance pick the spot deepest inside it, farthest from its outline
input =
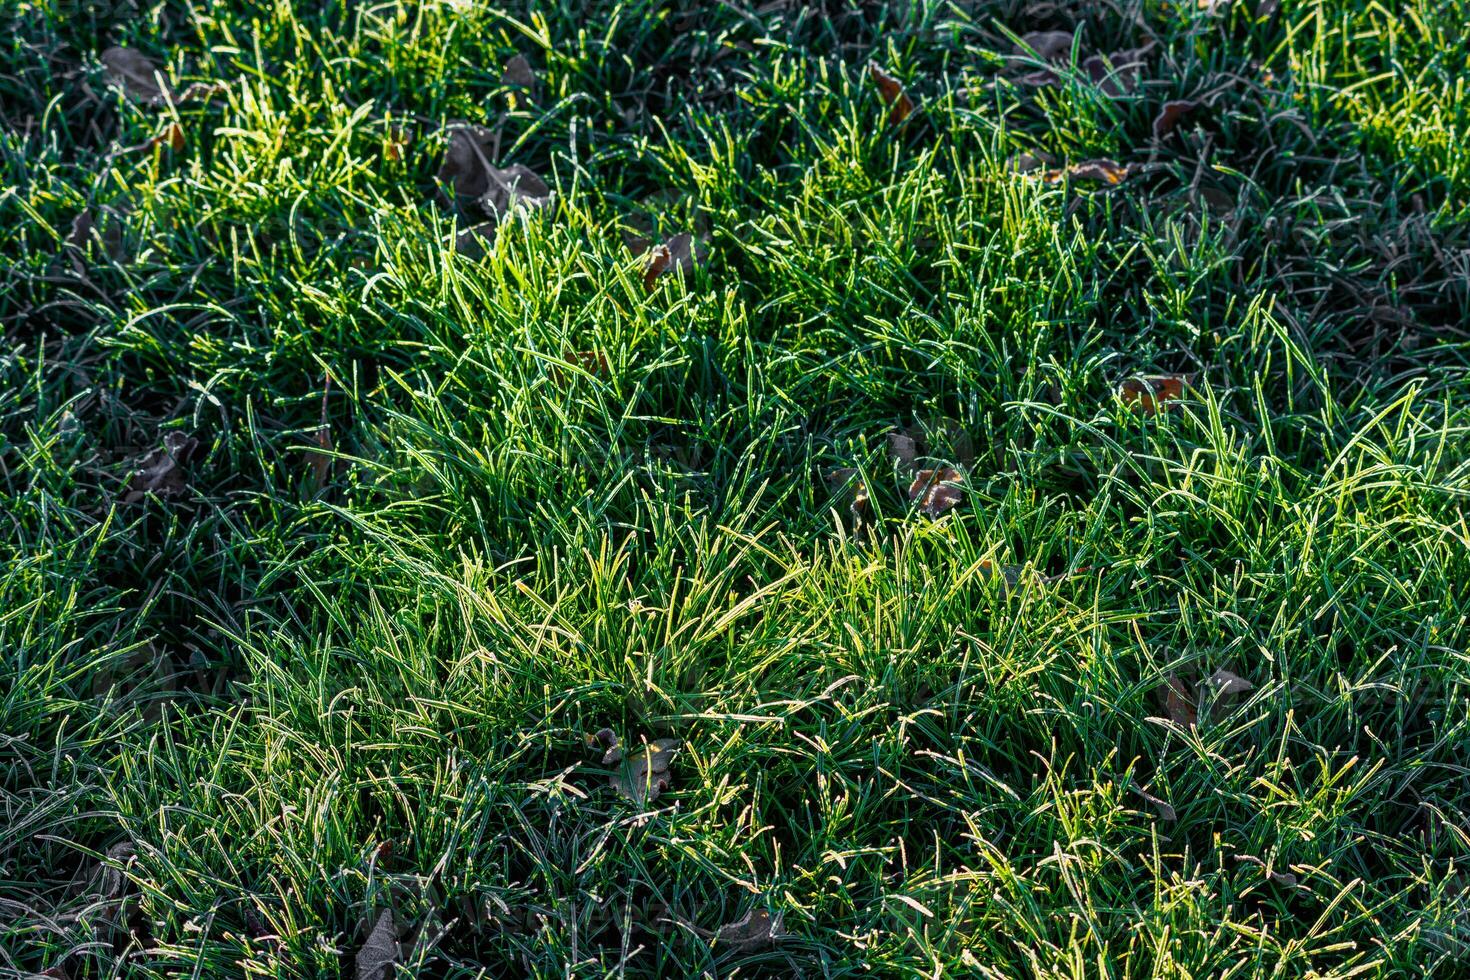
(848, 480)
(161, 472)
(936, 491)
(607, 740)
(756, 928)
(903, 449)
(1280, 877)
(135, 74)
(1048, 45)
(1170, 115)
(900, 106)
(1150, 394)
(1117, 73)
(1226, 682)
(1103, 171)
(676, 253)
(1166, 810)
(1010, 575)
(112, 882)
(519, 75)
(644, 773)
(476, 181)
(1179, 702)
(379, 953)
(473, 241)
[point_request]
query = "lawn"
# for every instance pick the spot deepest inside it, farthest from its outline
(656, 488)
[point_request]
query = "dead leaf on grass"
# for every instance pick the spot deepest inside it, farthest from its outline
(476, 181)
(135, 73)
(756, 928)
(1280, 877)
(1170, 115)
(101, 228)
(518, 74)
(1103, 170)
(1165, 809)
(890, 90)
(1150, 394)
(1226, 682)
(644, 772)
(473, 241)
(607, 740)
(675, 254)
(937, 490)
(161, 472)
(1048, 45)
(903, 450)
(1179, 703)
(1117, 73)
(379, 953)
(847, 480)
(112, 881)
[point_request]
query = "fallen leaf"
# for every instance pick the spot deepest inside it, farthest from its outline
(1048, 45)
(518, 75)
(903, 449)
(1010, 575)
(590, 361)
(1117, 73)
(644, 773)
(607, 739)
(1166, 811)
(1150, 394)
(1103, 170)
(900, 106)
(1025, 163)
(495, 191)
(676, 253)
(161, 471)
(474, 240)
(1179, 703)
(112, 882)
(1226, 682)
(379, 953)
(101, 227)
(172, 137)
(936, 491)
(320, 457)
(135, 74)
(395, 143)
(1170, 115)
(756, 928)
(848, 479)
(1283, 877)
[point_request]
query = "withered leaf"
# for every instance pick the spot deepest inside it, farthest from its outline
(1170, 115)
(1117, 73)
(111, 880)
(1010, 575)
(1282, 877)
(100, 227)
(476, 181)
(936, 491)
(1179, 702)
(756, 928)
(607, 739)
(171, 137)
(1150, 394)
(1166, 810)
(379, 953)
(1048, 45)
(513, 187)
(161, 471)
(676, 253)
(135, 74)
(903, 449)
(848, 480)
(518, 74)
(644, 773)
(473, 241)
(900, 106)
(1103, 170)
(1227, 682)
(1025, 163)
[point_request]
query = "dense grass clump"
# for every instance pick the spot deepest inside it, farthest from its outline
(1014, 525)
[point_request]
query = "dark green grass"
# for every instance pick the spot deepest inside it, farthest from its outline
(297, 701)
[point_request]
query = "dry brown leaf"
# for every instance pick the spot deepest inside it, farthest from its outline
(378, 956)
(1166, 811)
(1170, 115)
(135, 74)
(936, 491)
(1150, 394)
(495, 191)
(644, 772)
(473, 241)
(395, 143)
(1282, 877)
(675, 254)
(518, 74)
(1103, 170)
(607, 740)
(171, 137)
(100, 227)
(1010, 575)
(1117, 73)
(756, 928)
(161, 472)
(1025, 163)
(848, 480)
(900, 106)
(111, 881)
(590, 361)
(903, 449)
(1048, 45)
(1179, 703)
(1226, 682)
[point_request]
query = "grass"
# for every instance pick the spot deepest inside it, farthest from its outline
(436, 517)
